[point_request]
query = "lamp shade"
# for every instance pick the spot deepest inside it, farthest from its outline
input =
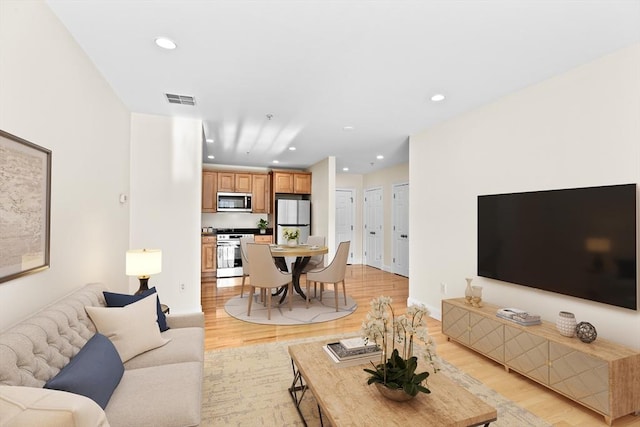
(144, 262)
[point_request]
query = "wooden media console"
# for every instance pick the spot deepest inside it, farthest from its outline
(603, 376)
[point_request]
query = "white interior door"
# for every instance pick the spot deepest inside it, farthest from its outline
(373, 227)
(345, 219)
(401, 229)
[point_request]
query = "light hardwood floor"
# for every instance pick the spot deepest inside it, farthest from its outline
(364, 283)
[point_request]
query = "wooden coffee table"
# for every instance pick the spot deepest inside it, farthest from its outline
(344, 397)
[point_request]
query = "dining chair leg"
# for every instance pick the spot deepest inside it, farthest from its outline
(291, 296)
(308, 294)
(344, 292)
(269, 304)
(251, 290)
(335, 293)
(242, 286)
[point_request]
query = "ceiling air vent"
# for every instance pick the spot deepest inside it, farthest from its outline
(180, 99)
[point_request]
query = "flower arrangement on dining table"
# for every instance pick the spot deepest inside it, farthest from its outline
(291, 234)
(399, 334)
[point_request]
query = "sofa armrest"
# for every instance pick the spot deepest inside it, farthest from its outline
(31, 406)
(188, 320)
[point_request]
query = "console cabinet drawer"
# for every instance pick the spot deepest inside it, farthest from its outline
(527, 353)
(579, 376)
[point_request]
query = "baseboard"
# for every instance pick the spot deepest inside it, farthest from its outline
(435, 312)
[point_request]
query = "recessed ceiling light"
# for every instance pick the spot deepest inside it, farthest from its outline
(209, 141)
(211, 157)
(437, 97)
(165, 43)
(379, 157)
(292, 148)
(348, 128)
(345, 169)
(276, 162)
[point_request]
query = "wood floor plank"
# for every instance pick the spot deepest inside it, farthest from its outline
(364, 283)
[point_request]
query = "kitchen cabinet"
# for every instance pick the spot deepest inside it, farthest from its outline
(234, 182)
(302, 183)
(208, 253)
(261, 201)
(601, 376)
(292, 182)
(263, 238)
(209, 190)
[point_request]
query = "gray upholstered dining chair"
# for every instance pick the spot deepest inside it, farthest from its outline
(333, 273)
(245, 261)
(264, 274)
(316, 261)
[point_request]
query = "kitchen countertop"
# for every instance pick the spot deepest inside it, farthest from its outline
(238, 231)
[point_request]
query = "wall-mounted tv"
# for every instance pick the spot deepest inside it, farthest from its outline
(579, 242)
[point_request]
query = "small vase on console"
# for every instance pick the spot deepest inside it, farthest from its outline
(468, 292)
(292, 242)
(476, 296)
(566, 324)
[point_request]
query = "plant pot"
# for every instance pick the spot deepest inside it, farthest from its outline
(396, 394)
(263, 231)
(292, 243)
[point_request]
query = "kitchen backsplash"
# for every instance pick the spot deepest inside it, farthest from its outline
(232, 220)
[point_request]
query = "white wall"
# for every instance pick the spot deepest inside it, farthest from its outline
(166, 182)
(51, 95)
(385, 179)
(323, 202)
(577, 129)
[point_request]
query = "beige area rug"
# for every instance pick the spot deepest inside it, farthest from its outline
(318, 311)
(247, 386)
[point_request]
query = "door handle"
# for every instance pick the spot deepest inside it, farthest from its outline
(372, 232)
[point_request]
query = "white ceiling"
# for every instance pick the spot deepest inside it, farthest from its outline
(318, 66)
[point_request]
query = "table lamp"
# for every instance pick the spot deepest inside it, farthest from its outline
(143, 263)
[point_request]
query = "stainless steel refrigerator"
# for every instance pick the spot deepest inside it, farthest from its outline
(293, 214)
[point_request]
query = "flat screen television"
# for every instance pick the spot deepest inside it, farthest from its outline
(579, 242)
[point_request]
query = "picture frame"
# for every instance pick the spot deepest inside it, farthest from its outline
(25, 207)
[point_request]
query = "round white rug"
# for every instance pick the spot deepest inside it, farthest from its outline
(317, 312)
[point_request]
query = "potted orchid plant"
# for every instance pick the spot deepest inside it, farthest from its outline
(395, 375)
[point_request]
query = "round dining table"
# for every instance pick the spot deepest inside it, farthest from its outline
(302, 253)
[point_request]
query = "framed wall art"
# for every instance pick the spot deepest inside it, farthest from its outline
(25, 205)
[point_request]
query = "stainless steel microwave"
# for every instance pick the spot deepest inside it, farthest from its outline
(234, 202)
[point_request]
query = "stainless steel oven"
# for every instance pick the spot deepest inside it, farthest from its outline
(229, 259)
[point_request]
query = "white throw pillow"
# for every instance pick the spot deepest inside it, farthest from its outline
(133, 329)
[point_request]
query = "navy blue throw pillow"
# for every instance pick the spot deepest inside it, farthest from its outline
(120, 300)
(94, 372)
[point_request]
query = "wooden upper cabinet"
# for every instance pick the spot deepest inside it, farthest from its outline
(283, 182)
(209, 190)
(292, 182)
(260, 192)
(232, 182)
(243, 183)
(302, 183)
(226, 181)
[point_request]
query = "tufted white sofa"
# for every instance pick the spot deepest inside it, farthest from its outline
(160, 387)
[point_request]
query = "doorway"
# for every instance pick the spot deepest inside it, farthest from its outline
(401, 229)
(373, 227)
(345, 218)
